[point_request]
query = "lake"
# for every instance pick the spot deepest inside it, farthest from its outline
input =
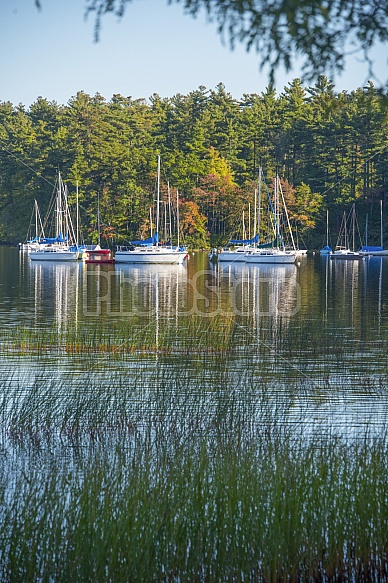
(193, 423)
(312, 336)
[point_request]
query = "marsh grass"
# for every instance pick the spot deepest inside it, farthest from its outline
(184, 461)
(142, 480)
(193, 333)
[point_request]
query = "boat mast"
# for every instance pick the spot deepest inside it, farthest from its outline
(288, 220)
(277, 217)
(243, 227)
(258, 205)
(169, 212)
(346, 232)
(177, 214)
(66, 216)
(165, 220)
(158, 200)
(77, 227)
(255, 215)
(381, 223)
(327, 227)
(58, 205)
(98, 218)
(36, 218)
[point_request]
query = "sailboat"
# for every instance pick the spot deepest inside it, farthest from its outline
(33, 243)
(63, 246)
(274, 251)
(326, 250)
(150, 251)
(95, 254)
(342, 249)
(377, 251)
(236, 249)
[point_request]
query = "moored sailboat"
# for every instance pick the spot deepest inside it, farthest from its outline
(342, 249)
(273, 252)
(326, 250)
(377, 250)
(150, 250)
(94, 253)
(63, 245)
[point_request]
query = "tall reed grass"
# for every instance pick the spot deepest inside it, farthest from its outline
(134, 480)
(192, 332)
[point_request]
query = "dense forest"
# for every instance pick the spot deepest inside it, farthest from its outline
(330, 150)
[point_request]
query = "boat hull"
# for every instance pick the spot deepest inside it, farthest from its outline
(151, 256)
(54, 255)
(273, 257)
(231, 256)
(99, 256)
(346, 256)
(383, 253)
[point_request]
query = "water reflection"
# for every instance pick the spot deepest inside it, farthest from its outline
(173, 291)
(134, 290)
(353, 295)
(260, 290)
(313, 335)
(55, 292)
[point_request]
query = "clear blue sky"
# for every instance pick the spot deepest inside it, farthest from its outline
(155, 48)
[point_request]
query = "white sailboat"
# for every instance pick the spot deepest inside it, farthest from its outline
(63, 246)
(273, 253)
(236, 249)
(342, 249)
(150, 251)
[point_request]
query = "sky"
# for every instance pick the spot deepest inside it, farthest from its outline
(154, 48)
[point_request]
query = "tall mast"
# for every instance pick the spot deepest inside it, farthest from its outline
(98, 217)
(277, 210)
(36, 218)
(287, 217)
(158, 199)
(327, 227)
(346, 233)
(381, 223)
(66, 234)
(77, 226)
(259, 204)
(177, 214)
(58, 218)
(255, 215)
(169, 213)
(243, 226)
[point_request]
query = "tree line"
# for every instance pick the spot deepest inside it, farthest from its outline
(329, 148)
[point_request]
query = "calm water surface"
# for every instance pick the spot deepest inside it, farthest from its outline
(313, 335)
